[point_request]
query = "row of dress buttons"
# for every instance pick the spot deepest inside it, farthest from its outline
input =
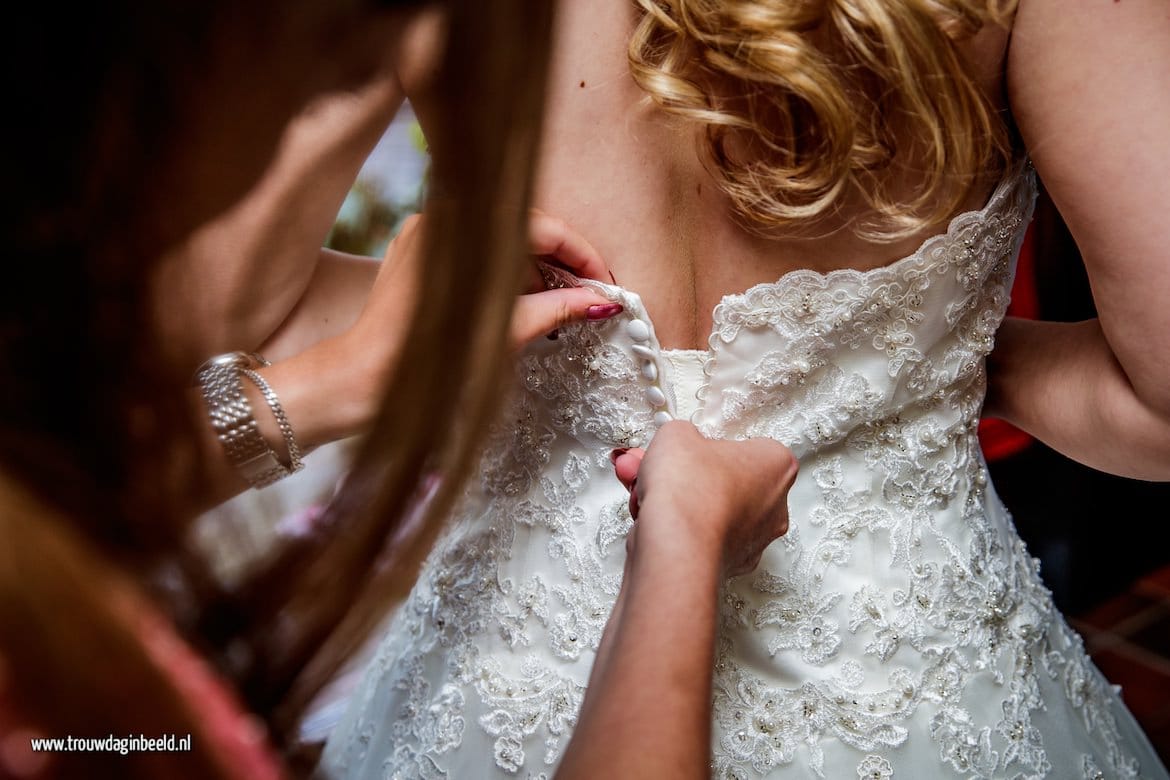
(639, 332)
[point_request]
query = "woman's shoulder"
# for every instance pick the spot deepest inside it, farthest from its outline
(986, 55)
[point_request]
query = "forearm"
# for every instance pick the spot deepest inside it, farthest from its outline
(647, 712)
(325, 396)
(329, 371)
(331, 304)
(238, 278)
(1062, 383)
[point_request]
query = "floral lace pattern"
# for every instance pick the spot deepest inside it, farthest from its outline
(900, 629)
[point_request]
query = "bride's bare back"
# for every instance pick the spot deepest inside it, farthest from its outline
(631, 179)
(1087, 95)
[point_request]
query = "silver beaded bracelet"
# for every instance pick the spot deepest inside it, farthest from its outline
(286, 431)
(233, 422)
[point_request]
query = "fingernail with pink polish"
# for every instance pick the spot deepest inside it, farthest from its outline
(613, 456)
(603, 311)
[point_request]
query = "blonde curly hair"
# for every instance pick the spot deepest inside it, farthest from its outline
(807, 102)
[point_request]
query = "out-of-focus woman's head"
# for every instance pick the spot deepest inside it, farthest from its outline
(134, 122)
(131, 123)
(116, 100)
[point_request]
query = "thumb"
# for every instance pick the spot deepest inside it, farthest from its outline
(626, 464)
(538, 313)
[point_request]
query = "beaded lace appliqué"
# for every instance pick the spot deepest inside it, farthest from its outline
(900, 610)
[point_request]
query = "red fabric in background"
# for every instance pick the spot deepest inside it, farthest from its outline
(998, 438)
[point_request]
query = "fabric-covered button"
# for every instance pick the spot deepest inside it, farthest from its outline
(642, 351)
(638, 330)
(662, 418)
(649, 370)
(655, 396)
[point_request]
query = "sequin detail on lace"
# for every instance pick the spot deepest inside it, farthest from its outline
(900, 629)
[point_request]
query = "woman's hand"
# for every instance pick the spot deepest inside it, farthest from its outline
(541, 310)
(375, 339)
(704, 510)
(729, 496)
(537, 312)
(331, 389)
(339, 381)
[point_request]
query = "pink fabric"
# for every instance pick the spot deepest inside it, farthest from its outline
(236, 739)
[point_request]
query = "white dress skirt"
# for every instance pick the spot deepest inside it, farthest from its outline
(899, 630)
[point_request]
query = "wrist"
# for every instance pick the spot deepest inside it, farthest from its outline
(681, 534)
(328, 394)
(247, 438)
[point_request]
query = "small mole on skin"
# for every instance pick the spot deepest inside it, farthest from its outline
(582, 84)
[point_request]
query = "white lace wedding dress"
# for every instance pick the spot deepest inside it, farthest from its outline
(899, 630)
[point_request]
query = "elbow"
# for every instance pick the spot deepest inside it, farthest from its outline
(1154, 396)
(1143, 450)
(1155, 442)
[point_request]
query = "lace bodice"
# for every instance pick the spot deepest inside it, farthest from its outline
(898, 630)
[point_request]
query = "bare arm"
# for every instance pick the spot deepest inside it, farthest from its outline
(246, 275)
(647, 710)
(331, 304)
(705, 510)
(256, 277)
(1068, 390)
(332, 365)
(1088, 85)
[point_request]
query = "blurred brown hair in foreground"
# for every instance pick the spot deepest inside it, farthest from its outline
(135, 123)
